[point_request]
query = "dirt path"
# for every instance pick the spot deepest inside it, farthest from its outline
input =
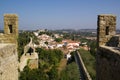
(62, 65)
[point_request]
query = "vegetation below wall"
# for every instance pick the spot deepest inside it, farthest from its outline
(48, 62)
(89, 61)
(48, 58)
(71, 72)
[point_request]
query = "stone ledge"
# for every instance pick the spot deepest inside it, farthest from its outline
(2, 45)
(115, 50)
(107, 15)
(108, 63)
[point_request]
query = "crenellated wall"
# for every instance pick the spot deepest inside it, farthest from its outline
(8, 48)
(108, 49)
(106, 28)
(10, 34)
(8, 62)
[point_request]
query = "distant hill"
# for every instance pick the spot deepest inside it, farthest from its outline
(87, 30)
(79, 30)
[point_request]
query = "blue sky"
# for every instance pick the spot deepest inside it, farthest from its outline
(59, 14)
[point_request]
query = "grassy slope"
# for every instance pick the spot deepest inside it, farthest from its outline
(89, 62)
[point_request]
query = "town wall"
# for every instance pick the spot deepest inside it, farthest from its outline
(8, 62)
(10, 34)
(106, 28)
(108, 49)
(108, 63)
(83, 71)
(8, 48)
(29, 57)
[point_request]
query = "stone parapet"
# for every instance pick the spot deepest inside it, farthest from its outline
(11, 24)
(10, 34)
(108, 63)
(114, 41)
(83, 71)
(106, 28)
(8, 62)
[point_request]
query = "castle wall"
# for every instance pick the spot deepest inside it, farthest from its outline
(8, 48)
(11, 24)
(108, 63)
(30, 60)
(114, 41)
(10, 29)
(8, 62)
(106, 28)
(108, 50)
(8, 38)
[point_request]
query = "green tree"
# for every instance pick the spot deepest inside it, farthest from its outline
(71, 72)
(93, 47)
(48, 60)
(35, 74)
(53, 75)
(58, 39)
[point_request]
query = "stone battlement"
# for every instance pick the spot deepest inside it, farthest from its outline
(116, 50)
(10, 15)
(10, 34)
(107, 15)
(8, 48)
(114, 41)
(106, 28)
(108, 49)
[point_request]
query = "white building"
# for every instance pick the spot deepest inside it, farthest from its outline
(68, 56)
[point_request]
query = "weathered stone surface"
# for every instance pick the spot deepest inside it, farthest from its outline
(108, 50)
(11, 19)
(29, 59)
(8, 48)
(108, 63)
(26, 59)
(106, 28)
(10, 29)
(8, 62)
(114, 41)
